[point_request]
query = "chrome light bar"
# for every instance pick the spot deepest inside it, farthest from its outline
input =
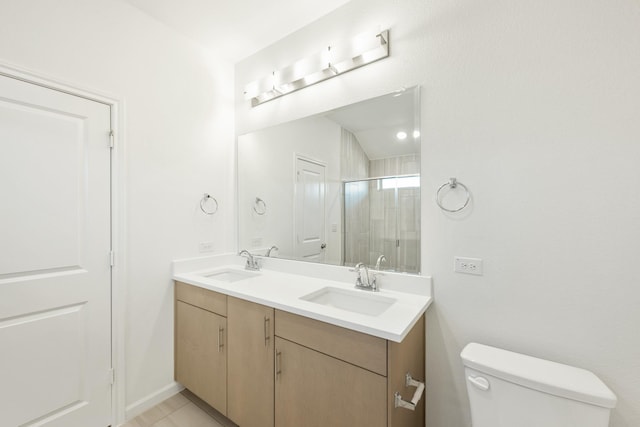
(330, 62)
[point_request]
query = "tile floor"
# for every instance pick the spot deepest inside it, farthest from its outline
(180, 410)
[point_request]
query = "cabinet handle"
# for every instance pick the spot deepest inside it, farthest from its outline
(278, 363)
(267, 331)
(220, 339)
(410, 382)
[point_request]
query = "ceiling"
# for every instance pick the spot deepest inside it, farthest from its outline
(375, 123)
(235, 29)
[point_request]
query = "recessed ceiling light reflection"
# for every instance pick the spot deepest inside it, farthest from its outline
(401, 135)
(416, 134)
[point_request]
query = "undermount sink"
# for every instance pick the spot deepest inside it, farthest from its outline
(360, 302)
(230, 275)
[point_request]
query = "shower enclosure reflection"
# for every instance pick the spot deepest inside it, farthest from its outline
(341, 187)
(382, 217)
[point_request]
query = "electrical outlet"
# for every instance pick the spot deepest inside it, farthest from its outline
(205, 247)
(467, 265)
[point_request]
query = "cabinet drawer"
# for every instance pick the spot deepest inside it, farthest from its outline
(203, 298)
(354, 347)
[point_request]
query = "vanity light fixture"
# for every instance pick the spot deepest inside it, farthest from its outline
(416, 134)
(401, 135)
(330, 62)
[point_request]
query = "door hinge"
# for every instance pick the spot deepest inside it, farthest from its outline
(112, 376)
(112, 258)
(112, 138)
(397, 243)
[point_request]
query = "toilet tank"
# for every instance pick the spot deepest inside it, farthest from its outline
(508, 389)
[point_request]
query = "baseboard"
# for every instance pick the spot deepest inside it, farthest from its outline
(136, 408)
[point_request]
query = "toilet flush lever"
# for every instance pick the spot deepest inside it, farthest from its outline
(479, 382)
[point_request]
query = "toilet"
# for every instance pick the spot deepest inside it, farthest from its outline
(509, 389)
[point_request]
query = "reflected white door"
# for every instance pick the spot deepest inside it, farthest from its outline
(309, 210)
(55, 274)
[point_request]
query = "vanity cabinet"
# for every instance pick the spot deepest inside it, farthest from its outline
(200, 343)
(250, 365)
(269, 368)
(328, 375)
(224, 353)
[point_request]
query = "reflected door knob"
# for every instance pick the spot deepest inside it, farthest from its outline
(322, 246)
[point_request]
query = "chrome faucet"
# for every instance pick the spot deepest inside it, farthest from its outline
(381, 258)
(364, 281)
(252, 263)
(272, 248)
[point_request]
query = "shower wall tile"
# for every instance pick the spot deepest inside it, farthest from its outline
(355, 163)
(375, 218)
(403, 165)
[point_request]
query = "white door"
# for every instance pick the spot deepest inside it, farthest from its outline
(309, 210)
(55, 275)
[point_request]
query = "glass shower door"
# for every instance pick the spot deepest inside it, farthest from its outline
(382, 217)
(383, 239)
(408, 229)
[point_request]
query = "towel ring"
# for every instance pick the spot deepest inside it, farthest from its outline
(204, 200)
(453, 183)
(259, 206)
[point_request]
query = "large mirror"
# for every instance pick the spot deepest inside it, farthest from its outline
(341, 187)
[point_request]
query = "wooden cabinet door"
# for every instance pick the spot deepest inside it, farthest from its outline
(316, 390)
(201, 354)
(251, 357)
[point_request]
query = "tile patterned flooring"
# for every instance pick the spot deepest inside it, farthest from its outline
(180, 410)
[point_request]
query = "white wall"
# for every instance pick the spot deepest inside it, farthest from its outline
(535, 106)
(179, 145)
(266, 169)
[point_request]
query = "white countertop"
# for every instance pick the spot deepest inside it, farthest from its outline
(279, 285)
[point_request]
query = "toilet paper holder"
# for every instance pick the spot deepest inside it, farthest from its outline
(417, 395)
